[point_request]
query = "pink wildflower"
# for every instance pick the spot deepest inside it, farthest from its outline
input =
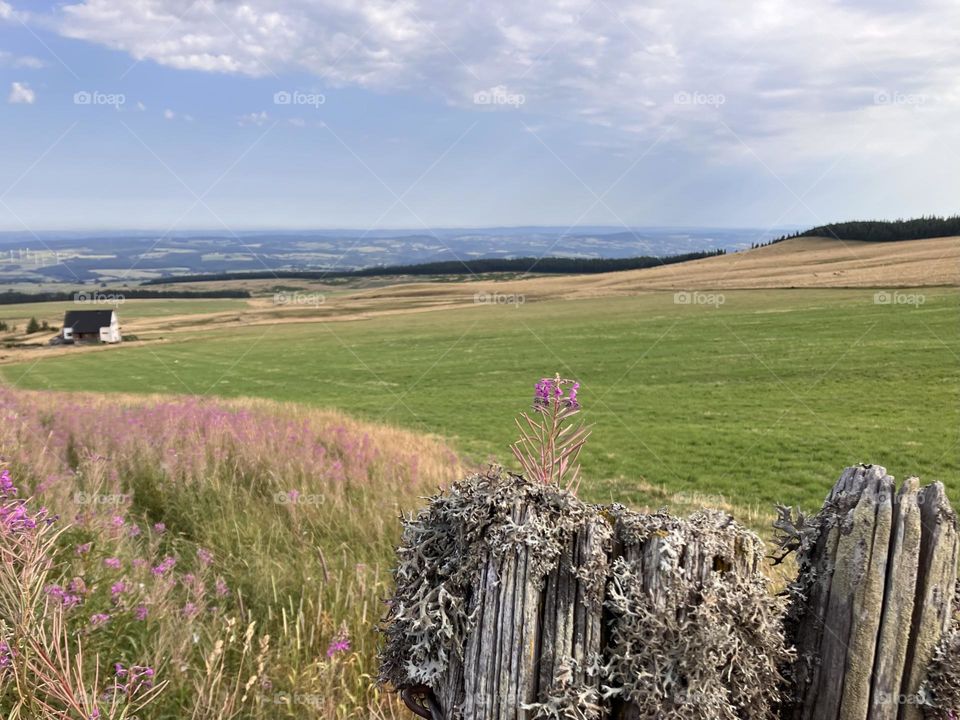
(221, 587)
(165, 566)
(341, 643)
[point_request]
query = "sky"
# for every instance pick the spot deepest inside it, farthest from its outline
(227, 115)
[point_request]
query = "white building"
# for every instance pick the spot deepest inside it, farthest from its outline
(91, 326)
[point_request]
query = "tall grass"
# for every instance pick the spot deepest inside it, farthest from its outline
(238, 550)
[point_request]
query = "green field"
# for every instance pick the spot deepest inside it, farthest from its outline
(763, 399)
(53, 312)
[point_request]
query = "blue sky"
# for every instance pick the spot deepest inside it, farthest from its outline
(414, 113)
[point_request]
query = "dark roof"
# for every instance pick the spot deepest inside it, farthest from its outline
(87, 321)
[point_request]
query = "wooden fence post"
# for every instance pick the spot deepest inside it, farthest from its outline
(517, 601)
(877, 576)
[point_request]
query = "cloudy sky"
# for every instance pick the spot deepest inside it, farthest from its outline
(411, 113)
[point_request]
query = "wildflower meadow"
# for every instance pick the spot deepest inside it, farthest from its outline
(197, 559)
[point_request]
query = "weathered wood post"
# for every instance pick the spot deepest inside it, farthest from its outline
(517, 601)
(874, 596)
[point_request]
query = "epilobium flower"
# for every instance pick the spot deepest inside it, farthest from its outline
(220, 587)
(7, 489)
(14, 516)
(341, 643)
(165, 566)
(6, 655)
(136, 678)
(67, 598)
(549, 444)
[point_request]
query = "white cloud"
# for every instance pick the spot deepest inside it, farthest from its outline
(8, 59)
(140, 106)
(255, 118)
(21, 93)
(169, 114)
(795, 77)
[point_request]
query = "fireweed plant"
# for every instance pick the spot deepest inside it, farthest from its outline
(550, 438)
(44, 672)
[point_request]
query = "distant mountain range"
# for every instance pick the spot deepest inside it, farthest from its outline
(133, 256)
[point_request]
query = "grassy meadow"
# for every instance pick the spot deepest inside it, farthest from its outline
(763, 398)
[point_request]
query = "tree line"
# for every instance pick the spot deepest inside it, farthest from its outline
(547, 265)
(13, 297)
(929, 226)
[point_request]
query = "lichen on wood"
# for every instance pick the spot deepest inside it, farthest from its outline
(941, 691)
(517, 601)
(456, 555)
(695, 631)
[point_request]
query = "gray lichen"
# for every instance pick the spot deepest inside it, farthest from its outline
(942, 689)
(689, 626)
(444, 547)
(695, 631)
(568, 699)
